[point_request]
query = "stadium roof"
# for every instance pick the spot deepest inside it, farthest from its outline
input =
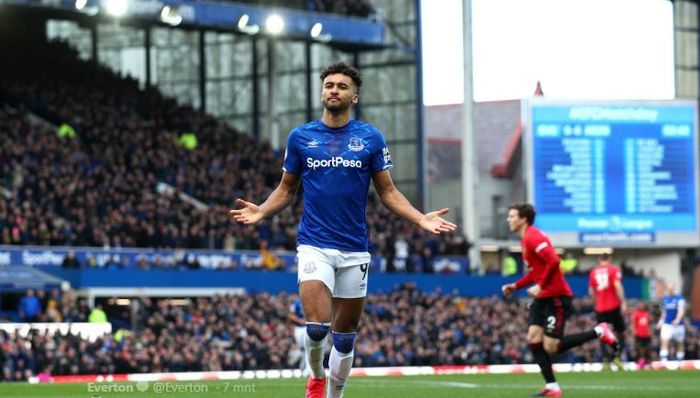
(249, 19)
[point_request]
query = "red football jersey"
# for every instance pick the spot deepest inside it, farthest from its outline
(602, 279)
(543, 265)
(641, 320)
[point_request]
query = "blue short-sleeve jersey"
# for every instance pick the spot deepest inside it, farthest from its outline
(297, 309)
(672, 304)
(336, 166)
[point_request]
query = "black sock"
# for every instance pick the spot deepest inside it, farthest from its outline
(608, 353)
(575, 340)
(543, 359)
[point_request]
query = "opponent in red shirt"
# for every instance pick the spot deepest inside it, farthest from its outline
(605, 287)
(552, 298)
(641, 321)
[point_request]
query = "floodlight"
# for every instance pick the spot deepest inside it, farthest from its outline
(171, 15)
(274, 24)
(244, 27)
(116, 8)
(316, 30)
(316, 34)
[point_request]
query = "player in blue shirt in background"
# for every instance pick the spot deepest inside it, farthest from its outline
(671, 323)
(335, 159)
(296, 317)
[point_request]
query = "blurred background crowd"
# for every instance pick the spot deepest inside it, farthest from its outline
(405, 327)
(94, 182)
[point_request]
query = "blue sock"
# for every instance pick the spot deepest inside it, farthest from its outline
(344, 342)
(317, 331)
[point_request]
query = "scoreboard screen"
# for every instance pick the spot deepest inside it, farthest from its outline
(614, 174)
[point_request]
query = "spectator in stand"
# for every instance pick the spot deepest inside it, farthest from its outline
(29, 307)
(240, 332)
(70, 261)
(97, 315)
(270, 262)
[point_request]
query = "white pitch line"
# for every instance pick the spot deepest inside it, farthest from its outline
(453, 384)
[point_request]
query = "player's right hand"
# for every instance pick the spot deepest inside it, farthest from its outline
(508, 289)
(249, 213)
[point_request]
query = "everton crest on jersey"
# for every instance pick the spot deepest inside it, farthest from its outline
(356, 144)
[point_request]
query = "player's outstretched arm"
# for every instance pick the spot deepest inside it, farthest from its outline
(394, 200)
(434, 222)
(249, 213)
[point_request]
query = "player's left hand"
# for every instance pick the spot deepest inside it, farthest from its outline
(433, 222)
(249, 213)
(534, 291)
(508, 289)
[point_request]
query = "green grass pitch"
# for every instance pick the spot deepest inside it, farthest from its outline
(652, 384)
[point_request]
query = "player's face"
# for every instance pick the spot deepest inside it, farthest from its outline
(338, 93)
(670, 288)
(515, 222)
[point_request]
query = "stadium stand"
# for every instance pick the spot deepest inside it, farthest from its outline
(353, 8)
(403, 328)
(97, 187)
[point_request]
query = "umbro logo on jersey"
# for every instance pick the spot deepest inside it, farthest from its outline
(337, 161)
(313, 144)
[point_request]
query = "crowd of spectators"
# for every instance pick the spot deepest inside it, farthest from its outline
(353, 8)
(97, 187)
(243, 332)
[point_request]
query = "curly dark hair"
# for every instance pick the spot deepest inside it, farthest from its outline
(346, 69)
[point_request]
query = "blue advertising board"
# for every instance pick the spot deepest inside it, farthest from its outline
(614, 174)
(125, 258)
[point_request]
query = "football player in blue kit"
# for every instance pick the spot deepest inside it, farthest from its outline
(334, 159)
(296, 317)
(671, 323)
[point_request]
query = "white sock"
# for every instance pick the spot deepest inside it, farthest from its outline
(304, 363)
(552, 386)
(663, 354)
(314, 356)
(339, 365)
(680, 355)
(598, 330)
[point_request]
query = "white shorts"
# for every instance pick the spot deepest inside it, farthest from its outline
(344, 273)
(673, 332)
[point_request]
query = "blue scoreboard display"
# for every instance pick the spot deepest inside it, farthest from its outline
(614, 174)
